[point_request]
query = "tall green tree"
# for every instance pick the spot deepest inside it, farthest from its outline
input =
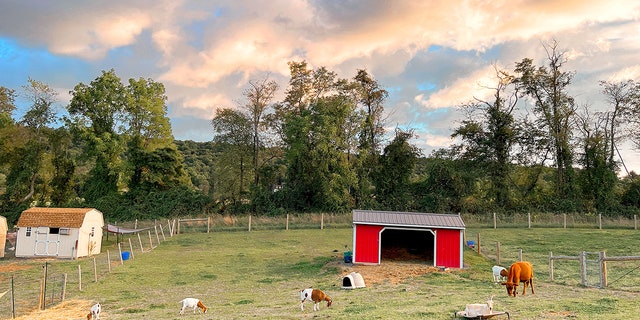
(96, 110)
(7, 125)
(234, 132)
(258, 96)
(393, 184)
(27, 165)
(369, 122)
(145, 114)
(64, 166)
(313, 119)
(489, 136)
(555, 110)
(623, 97)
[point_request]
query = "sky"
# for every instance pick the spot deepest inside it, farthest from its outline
(431, 56)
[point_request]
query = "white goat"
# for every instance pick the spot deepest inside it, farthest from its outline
(192, 303)
(478, 309)
(95, 312)
(499, 273)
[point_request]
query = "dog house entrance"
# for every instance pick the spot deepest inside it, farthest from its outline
(408, 245)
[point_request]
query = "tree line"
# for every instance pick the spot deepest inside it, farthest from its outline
(324, 147)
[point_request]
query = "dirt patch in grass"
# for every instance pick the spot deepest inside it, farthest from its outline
(392, 272)
(66, 310)
(13, 267)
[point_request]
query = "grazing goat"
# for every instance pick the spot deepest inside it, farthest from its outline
(192, 303)
(316, 296)
(519, 271)
(498, 273)
(95, 312)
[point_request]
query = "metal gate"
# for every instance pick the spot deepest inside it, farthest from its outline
(47, 244)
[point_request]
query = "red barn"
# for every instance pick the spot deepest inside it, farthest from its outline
(436, 239)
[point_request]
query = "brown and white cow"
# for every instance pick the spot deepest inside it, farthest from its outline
(519, 271)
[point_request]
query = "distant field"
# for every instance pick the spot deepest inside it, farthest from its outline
(242, 275)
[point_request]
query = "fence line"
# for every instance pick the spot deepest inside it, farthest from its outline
(582, 258)
(28, 291)
(531, 220)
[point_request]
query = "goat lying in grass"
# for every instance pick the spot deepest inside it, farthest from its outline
(95, 312)
(316, 296)
(192, 303)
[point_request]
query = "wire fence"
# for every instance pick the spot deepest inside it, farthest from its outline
(25, 288)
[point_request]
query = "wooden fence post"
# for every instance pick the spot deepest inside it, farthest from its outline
(155, 228)
(95, 270)
(131, 248)
(520, 254)
(79, 278)
(564, 225)
(249, 222)
(43, 287)
(108, 261)
(529, 219)
(478, 244)
(495, 221)
(550, 266)
(41, 296)
(140, 240)
(603, 269)
(600, 221)
(120, 250)
(583, 268)
(150, 241)
(162, 231)
(635, 223)
(321, 221)
(287, 225)
(64, 286)
(208, 224)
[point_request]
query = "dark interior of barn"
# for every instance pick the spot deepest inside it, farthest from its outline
(407, 245)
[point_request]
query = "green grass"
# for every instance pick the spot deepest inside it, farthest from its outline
(242, 275)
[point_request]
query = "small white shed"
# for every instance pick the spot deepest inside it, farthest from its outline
(59, 232)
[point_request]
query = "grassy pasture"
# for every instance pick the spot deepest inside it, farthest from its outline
(242, 275)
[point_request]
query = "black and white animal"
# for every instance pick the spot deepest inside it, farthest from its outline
(192, 303)
(316, 296)
(95, 312)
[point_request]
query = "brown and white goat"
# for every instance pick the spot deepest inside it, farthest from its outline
(95, 312)
(192, 303)
(316, 296)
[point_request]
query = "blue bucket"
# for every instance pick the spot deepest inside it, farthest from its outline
(125, 255)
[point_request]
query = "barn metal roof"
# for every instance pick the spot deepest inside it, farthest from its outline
(408, 219)
(53, 217)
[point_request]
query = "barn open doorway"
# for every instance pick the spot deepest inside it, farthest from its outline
(408, 245)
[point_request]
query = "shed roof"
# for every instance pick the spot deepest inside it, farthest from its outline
(53, 217)
(408, 219)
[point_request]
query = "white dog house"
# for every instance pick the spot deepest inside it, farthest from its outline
(353, 280)
(59, 232)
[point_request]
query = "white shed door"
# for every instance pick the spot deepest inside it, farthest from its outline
(46, 244)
